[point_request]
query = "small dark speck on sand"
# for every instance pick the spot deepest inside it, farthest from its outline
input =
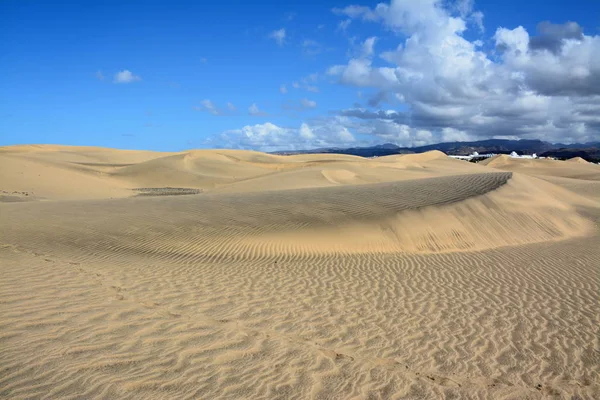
(166, 191)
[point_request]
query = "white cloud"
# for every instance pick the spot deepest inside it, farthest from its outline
(367, 47)
(343, 25)
(544, 86)
(464, 7)
(278, 36)
(454, 135)
(126, 76)
(344, 135)
(271, 137)
(477, 19)
(265, 136)
(208, 106)
(308, 103)
(334, 131)
(512, 40)
(296, 85)
(99, 75)
(283, 89)
(356, 12)
(306, 133)
(255, 111)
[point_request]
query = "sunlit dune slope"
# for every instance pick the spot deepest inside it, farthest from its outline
(575, 169)
(47, 172)
(577, 160)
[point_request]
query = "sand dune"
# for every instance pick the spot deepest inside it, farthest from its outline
(577, 160)
(310, 276)
(546, 167)
(43, 171)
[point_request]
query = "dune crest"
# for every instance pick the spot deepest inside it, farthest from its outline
(577, 160)
(513, 214)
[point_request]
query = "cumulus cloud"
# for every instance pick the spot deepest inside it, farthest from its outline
(545, 86)
(436, 83)
(477, 19)
(367, 47)
(561, 64)
(305, 132)
(278, 36)
(463, 7)
(271, 137)
(283, 89)
(552, 37)
(208, 106)
(379, 98)
(354, 11)
(267, 136)
(255, 111)
(356, 127)
(126, 76)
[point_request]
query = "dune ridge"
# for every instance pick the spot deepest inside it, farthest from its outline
(453, 213)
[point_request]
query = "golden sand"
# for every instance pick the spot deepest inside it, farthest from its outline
(308, 276)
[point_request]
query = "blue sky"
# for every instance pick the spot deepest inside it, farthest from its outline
(172, 75)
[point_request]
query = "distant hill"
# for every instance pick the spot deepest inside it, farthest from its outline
(591, 154)
(587, 151)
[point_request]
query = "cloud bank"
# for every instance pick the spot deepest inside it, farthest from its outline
(438, 85)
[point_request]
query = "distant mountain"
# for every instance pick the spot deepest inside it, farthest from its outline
(591, 154)
(588, 151)
(490, 146)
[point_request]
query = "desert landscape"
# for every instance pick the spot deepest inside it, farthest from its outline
(234, 274)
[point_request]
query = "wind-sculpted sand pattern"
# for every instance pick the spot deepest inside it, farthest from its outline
(483, 285)
(514, 323)
(379, 218)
